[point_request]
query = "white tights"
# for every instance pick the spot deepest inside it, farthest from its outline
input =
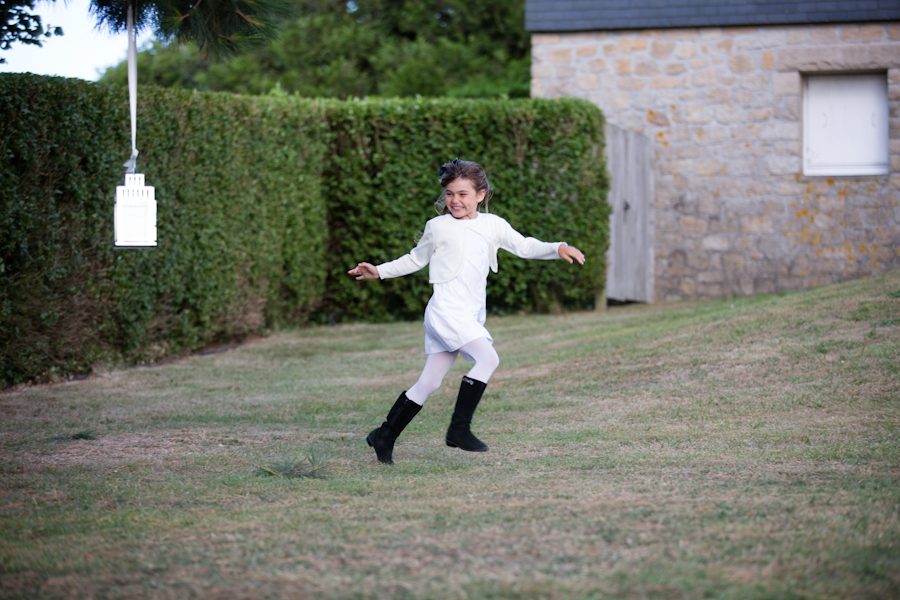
(438, 364)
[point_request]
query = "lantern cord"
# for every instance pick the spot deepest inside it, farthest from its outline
(131, 163)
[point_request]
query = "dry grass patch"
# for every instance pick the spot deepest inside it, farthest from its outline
(745, 448)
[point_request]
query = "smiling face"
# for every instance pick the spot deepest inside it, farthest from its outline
(462, 199)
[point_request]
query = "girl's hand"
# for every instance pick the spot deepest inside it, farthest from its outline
(570, 252)
(365, 271)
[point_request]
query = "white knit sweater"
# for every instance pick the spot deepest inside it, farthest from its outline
(442, 248)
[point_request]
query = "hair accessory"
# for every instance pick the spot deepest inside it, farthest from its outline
(455, 161)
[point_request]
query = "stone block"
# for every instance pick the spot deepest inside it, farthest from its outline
(741, 64)
(616, 101)
(710, 290)
(893, 32)
(838, 58)
(783, 165)
(727, 115)
(693, 225)
(745, 134)
(658, 83)
(711, 33)
(704, 77)
(685, 35)
(610, 49)
(780, 131)
(690, 95)
(793, 108)
(698, 63)
(560, 55)
(686, 51)
(646, 67)
(584, 51)
(622, 66)
(754, 224)
(710, 277)
(718, 243)
(678, 269)
(630, 83)
(745, 243)
(718, 95)
(629, 45)
(598, 65)
(894, 129)
(768, 37)
(759, 115)
(758, 81)
(823, 34)
(709, 203)
(537, 88)
(565, 71)
(541, 70)
(689, 151)
(697, 113)
(586, 82)
(799, 35)
(872, 33)
(725, 46)
(539, 39)
(742, 168)
(578, 37)
(675, 166)
(687, 287)
(697, 260)
(767, 60)
(849, 34)
(710, 167)
(661, 48)
(787, 84)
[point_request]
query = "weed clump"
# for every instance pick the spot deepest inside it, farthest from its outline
(312, 466)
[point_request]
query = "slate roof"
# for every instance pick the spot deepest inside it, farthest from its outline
(591, 15)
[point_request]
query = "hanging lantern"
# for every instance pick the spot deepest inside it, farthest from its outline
(135, 214)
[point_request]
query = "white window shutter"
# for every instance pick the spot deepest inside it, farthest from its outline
(845, 125)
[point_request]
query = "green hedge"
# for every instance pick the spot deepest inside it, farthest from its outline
(240, 216)
(544, 159)
(263, 204)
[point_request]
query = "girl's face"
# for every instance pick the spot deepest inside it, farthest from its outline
(462, 199)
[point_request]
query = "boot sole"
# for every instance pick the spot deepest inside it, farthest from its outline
(453, 445)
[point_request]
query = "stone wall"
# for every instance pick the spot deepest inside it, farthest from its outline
(734, 214)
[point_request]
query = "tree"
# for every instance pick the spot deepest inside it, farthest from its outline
(342, 49)
(218, 27)
(17, 24)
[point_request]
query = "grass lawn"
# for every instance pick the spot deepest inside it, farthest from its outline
(742, 448)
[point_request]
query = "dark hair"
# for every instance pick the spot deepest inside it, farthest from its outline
(463, 169)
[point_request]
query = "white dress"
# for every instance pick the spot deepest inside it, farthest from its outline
(457, 309)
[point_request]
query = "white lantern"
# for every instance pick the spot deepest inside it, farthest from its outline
(135, 214)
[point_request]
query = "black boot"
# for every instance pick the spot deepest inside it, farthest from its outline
(383, 438)
(459, 435)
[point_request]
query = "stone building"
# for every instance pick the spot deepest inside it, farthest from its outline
(774, 131)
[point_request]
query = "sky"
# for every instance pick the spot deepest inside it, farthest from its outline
(82, 52)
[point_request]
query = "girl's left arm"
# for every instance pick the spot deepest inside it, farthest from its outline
(529, 247)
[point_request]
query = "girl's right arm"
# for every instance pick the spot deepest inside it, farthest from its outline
(417, 258)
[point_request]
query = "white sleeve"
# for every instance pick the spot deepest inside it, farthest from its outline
(527, 247)
(417, 258)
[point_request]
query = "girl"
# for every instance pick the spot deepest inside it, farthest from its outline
(459, 246)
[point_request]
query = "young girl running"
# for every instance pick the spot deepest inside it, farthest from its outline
(459, 246)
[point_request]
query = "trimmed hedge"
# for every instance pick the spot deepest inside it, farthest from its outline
(239, 221)
(544, 159)
(263, 204)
